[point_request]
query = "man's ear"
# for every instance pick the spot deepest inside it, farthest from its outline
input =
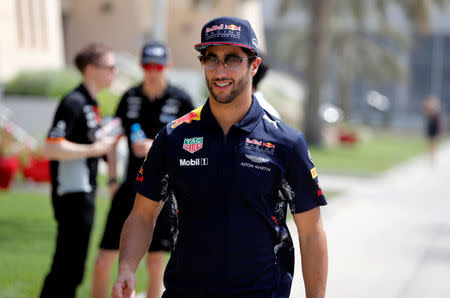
(254, 66)
(88, 69)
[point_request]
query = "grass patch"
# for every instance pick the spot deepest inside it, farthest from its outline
(371, 156)
(27, 240)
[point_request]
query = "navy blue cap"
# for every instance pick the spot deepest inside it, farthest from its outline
(228, 31)
(154, 52)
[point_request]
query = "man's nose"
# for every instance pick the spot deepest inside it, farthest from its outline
(220, 68)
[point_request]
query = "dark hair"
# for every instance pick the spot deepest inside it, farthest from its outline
(90, 54)
(250, 53)
(260, 74)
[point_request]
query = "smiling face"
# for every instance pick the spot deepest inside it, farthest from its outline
(226, 85)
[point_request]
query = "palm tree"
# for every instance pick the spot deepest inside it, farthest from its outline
(318, 48)
(348, 43)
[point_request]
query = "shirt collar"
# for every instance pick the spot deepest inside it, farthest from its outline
(90, 100)
(247, 123)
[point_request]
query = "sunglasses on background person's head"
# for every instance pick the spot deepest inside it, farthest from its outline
(107, 67)
(151, 66)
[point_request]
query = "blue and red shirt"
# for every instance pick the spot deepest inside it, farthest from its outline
(231, 193)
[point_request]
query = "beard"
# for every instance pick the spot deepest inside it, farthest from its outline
(238, 87)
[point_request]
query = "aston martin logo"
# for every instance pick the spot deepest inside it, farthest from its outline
(257, 159)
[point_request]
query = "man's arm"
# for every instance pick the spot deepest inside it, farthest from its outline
(313, 248)
(134, 242)
(140, 148)
(62, 149)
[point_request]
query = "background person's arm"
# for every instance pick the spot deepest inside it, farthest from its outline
(134, 242)
(62, 149)
(314, 253)
(141, 148)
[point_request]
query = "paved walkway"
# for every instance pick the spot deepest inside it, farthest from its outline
(389, 236)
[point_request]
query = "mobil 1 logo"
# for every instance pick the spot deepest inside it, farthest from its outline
(193, 162)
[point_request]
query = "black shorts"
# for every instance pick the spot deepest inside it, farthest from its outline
(121, 206)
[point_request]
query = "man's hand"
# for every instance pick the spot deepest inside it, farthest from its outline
(140, 148)
(104, 145)
(124, 285)
(113, 189)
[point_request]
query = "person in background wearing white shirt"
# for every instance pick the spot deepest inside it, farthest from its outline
(262, 70)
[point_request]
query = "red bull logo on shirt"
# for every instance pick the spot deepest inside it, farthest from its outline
(140, 176)
(269, 145)
(192, 145)
(314, 173)
(259, 146)
(254, 142)
(194, 115)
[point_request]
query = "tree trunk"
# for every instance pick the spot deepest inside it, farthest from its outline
(345, 77)
(319, 29)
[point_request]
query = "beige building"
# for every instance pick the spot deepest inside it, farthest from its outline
(126, 25)
(30, 36)
(42, 34)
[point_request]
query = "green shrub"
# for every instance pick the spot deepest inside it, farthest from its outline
(108, 102)
(48, 83)
(55, 84)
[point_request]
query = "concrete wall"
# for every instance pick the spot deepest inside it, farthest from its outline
(31, 36)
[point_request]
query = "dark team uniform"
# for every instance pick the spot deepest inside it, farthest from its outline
(135, 107)
(232, 194)
(433, 126)
(73, 191)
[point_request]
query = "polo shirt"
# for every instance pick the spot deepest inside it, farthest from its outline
(77, 119)
(232, 193)
(136, 107)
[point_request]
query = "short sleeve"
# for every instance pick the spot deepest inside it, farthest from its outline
(121, 107)
(303, 179)
(65, 120)
(150, 178)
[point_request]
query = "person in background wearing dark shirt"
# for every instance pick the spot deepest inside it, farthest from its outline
(73, 145)
(144, 110)
(233, 169)
(434, 124)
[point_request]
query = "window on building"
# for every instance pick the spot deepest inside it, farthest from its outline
(20, 24)
(44, 23)
(32, 24)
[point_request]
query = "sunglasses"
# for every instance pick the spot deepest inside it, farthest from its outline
(107, 67)
(231, 62)
(150, 66)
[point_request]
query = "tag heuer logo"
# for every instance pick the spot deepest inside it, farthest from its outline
(193, 145)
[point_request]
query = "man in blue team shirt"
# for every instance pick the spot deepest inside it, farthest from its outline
(233, 169)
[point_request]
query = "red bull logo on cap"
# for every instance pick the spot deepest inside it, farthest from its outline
(214, 28)
(233, 27)
(194, 115)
